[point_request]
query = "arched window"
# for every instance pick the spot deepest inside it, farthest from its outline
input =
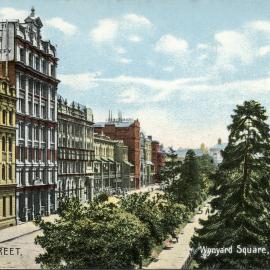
(3, 172)
(10, 172)
(3, 144)
(4, 117)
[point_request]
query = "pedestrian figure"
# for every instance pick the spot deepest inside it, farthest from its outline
(175, 236)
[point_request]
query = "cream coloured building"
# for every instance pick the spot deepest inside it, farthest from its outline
(7, 154)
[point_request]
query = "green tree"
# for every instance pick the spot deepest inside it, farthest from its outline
(147, 211)
(191, 181)
(100, 235)
(207, 170)
(170, 175)
(240, 210)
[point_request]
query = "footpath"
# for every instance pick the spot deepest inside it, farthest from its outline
(14, 232)
(176, 256)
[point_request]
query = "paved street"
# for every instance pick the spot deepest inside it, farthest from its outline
(175, 257)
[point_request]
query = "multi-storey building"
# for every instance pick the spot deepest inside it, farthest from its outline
(7, 154)
(127, 168)
(75, 150)
(149, 166)
(142, 161)
(158, 158)
(111, 167)
(30, 63)
(128, 131)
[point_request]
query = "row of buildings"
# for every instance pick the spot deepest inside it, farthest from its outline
(51, 148)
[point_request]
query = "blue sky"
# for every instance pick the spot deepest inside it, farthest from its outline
(180, 67)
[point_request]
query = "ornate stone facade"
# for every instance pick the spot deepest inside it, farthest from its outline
(31, 66)
(75, 151)
(7, 154)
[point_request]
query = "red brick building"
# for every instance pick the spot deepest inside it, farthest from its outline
(129, 131)
(158, 158)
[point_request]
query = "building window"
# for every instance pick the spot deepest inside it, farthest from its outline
(10, 172)
(22, 55)
(30, 59)
(21, 153)
(30, 132)
(52, 135)
(3, 144)
(45, 66)
(21, 104)
(53, 71)
(36, 154)
(30, 109)
(4, 206)
(37, 88)
(3, 172)
(30, 177)
(10, 118)
(43, 111)
(37, 64)
(22, 82)
(36, 109)
(52, 114)
(4, 117)
(30, 154)
(10, 205)
(43, 155)
(10, 144)
(51, 156)
(30, 85)
(21, 130)
(36, 133)
(43, 134)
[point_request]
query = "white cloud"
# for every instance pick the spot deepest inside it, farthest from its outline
(134, 38)
(136, 21)
(170, 44)
(13, 14)
(62, 25)
(129, 96)
(259, 25)
(263, 51)
(231, 46)
(108, 29)
(124, 60)
(162, 88)
(105, 31)
(84, 80)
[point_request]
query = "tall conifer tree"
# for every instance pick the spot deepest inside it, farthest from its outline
(240, 210)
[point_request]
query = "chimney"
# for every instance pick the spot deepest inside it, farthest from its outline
(219, 141)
